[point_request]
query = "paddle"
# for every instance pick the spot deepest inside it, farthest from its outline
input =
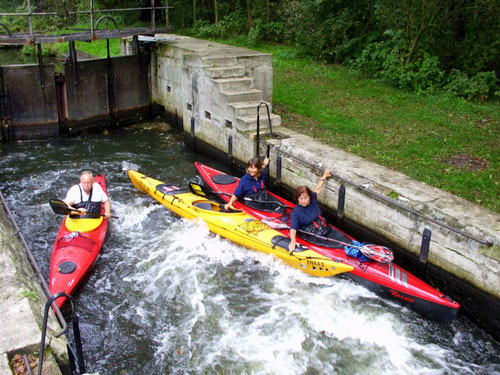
(61, 208)
(378, 253)
(204, 191)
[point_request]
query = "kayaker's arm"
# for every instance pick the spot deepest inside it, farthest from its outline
(229, 205)
(107, 209)
(322, 181)
(293, 242)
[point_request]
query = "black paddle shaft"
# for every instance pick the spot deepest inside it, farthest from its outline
(61, 208)
(203, 190)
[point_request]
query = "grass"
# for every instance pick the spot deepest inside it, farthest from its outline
(443, 141)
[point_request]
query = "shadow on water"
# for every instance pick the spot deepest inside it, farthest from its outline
(168, 297)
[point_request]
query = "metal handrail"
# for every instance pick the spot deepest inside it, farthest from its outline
(91, 11)
(258, 127)
(390, 201)
(34, 265)
(29, 13)
(76, 330)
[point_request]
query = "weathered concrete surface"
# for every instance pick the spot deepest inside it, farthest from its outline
(214, 89)
(22, 305)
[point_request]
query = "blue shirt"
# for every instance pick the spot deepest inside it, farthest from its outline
(304, 216)
(248, 185)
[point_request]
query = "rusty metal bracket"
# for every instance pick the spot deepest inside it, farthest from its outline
(424, 247)
(278, 168)
(341, 202)
(6, 127)
(230, 146)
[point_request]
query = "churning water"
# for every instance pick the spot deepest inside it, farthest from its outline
(168, 297)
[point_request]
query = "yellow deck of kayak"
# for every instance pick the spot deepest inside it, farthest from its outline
(82, 225)
(238, 227)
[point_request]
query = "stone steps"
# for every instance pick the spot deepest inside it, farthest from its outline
(226, 71)
(235, 84)
(249, 123)
(218, 61)
(238, 95)
(241, 96)
(248, 109)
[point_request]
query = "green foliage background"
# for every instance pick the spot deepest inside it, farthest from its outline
(424, 46)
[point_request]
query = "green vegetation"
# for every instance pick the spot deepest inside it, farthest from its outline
(444, 141)
(30, 295)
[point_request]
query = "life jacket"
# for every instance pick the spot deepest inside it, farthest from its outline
(319, 226)
(261, 187)
(92, 207)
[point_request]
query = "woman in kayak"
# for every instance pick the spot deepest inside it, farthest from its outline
(252, 182)
(87, 196)
(307, 215)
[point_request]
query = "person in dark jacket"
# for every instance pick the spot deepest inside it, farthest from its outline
(251, 182)
(307, 213)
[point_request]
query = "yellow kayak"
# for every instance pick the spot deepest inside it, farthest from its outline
(237, 226)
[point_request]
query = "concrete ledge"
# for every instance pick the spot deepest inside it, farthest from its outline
(22, 305)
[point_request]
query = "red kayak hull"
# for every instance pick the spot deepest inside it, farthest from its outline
(387, 280)
(75, 253)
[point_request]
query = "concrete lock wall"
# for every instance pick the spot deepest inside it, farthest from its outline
(22, 307)
(215, 89)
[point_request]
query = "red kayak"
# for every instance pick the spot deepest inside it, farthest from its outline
(386, 279)
(76, 249)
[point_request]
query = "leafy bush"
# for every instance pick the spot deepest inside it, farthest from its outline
(481, 86)
(48, 50)
(230, 26)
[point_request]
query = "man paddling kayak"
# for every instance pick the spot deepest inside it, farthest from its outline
(87, 196)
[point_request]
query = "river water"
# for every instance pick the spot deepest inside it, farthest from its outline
(168, 297)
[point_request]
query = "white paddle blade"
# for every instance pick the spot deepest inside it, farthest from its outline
(274, 223)
(378, 253)
(128, 166)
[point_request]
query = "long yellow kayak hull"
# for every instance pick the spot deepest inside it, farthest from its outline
(237, 226)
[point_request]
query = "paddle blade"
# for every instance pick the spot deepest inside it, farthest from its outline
(378, 253)
(128, 166)
(59, 207)
(274, 223)
(197, 189)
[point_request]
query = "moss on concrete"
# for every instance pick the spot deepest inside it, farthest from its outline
(492, 252)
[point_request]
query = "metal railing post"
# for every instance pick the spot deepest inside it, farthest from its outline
(30, 20)
(91, 19)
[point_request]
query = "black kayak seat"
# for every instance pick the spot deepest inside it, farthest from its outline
(204, 205)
